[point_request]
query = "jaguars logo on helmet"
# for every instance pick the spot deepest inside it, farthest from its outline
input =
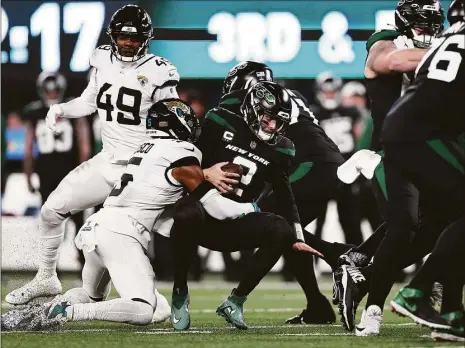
(173, 118)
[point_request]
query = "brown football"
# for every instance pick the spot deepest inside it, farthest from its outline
(232, 168)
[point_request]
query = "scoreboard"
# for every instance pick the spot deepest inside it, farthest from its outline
(297, 38)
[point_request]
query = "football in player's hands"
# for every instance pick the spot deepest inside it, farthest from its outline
(233, 168)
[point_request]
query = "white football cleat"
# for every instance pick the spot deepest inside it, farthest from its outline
(372, 317)
(163, 309)
(40, 286)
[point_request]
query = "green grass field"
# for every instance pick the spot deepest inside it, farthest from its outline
(266, 310)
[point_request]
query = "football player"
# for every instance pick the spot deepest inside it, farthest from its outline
(115, 239)
(393, 56)
(312, 176)
(253, 140)
(124, 83)
(429, 150)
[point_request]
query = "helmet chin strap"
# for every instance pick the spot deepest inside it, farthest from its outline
(263, 135)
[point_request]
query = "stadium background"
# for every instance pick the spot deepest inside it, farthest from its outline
(203, 39)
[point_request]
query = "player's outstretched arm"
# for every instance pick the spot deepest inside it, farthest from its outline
(385, 58)
(217, 206)
(288, 210)
(85, 104)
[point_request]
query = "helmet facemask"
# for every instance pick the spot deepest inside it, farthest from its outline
(421, 23)
(119, 51)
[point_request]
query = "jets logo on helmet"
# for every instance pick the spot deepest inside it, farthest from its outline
(245, 74)
(130, 32)
(267, 110)
(173, 118)
(419, 20)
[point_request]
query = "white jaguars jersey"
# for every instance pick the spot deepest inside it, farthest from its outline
(148, 187)
(125, 92)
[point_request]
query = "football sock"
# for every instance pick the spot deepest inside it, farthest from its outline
(271, 249)
(51, 231)
(118, 310)
(447, 253)
(301, 266)
(331, 251)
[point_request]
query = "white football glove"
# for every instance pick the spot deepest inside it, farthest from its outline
(53, 114)
(402, 42)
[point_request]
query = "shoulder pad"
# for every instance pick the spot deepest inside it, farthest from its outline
(182, 149)
(159, 70)
(457, 28)
(380, 35)
(101, 55)
(222, 117)
(285, 146)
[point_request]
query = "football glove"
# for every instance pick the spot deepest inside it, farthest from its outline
(402, 42)
(53, 114)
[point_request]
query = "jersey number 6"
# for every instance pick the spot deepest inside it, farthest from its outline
(133, 109)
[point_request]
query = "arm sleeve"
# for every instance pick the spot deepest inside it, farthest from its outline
(219, 207)
(84, 105)
(287, 207)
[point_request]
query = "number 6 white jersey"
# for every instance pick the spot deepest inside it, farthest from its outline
(123, 92)
(147, 187)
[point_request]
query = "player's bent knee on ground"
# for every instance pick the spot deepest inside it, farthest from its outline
(50, 217)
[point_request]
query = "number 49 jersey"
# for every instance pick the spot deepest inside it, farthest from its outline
(433, 105)
(147, 187)
(125, 92)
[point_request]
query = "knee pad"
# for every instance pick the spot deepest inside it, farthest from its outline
(78, 295)
(280, 230)
(51, 217)
(145, 312)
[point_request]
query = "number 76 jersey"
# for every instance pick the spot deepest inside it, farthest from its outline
(123, 93)
(433, 106)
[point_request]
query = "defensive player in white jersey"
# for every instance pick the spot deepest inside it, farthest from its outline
(124, 83)
(115, 240)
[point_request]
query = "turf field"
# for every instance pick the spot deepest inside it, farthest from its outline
(266, 310)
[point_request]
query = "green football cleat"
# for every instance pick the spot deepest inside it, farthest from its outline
(180, 316)
(57, 309)
(412, 303)
(232, 310)
(456, 333)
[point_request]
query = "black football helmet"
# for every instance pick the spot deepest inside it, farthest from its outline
(264, 103)
(173, 118)
(328, 90)
(419, 20)
(456, 12)
(51, 87)
(132, 21)
(245, 74)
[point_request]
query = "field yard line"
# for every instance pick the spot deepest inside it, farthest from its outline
(171, 332)
(201, 329)
(318, 334)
